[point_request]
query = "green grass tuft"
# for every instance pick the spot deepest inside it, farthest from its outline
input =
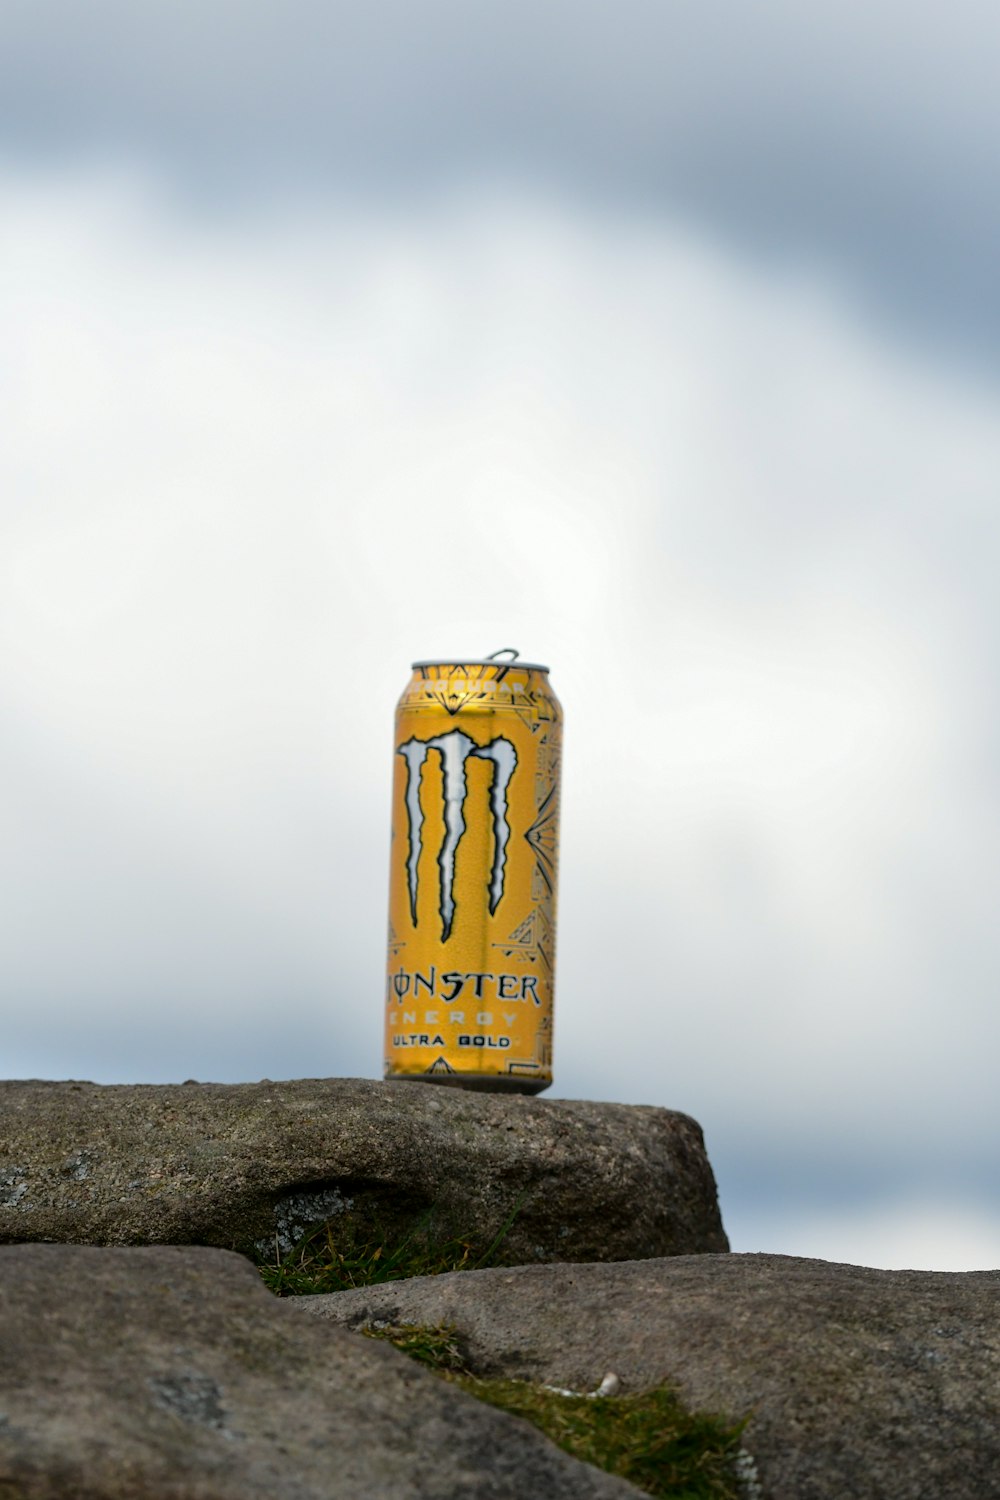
(650, 1438)
(338, 1255)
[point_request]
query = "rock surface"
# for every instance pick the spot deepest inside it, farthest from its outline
(877, 1385)
(172, 1374)
(245, 1165)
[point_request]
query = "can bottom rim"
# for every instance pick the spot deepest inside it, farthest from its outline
(499, 1084)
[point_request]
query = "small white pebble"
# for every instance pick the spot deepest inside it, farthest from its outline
(609, 1386)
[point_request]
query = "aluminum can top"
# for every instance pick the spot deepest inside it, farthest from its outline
(507, 657)
(525, 666)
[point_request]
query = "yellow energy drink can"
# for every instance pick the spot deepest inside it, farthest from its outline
(472, 888)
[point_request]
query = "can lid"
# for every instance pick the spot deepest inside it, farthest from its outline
(483, 661)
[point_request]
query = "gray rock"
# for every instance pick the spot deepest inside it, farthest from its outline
(877, 1385)
(172, 1374)
(245, 1165)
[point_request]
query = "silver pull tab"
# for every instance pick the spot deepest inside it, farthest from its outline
(510, 651)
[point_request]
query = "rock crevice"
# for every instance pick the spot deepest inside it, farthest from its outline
(879, 1385)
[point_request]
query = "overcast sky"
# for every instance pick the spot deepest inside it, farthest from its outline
(866, 135)
(662, 347)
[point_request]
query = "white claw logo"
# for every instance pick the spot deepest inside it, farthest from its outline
(455, 749)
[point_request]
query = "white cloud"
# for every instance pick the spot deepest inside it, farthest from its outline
(252, 473)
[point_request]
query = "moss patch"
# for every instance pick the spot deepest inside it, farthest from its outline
(650, 1438)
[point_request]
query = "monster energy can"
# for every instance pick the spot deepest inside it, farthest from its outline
(472, 889)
